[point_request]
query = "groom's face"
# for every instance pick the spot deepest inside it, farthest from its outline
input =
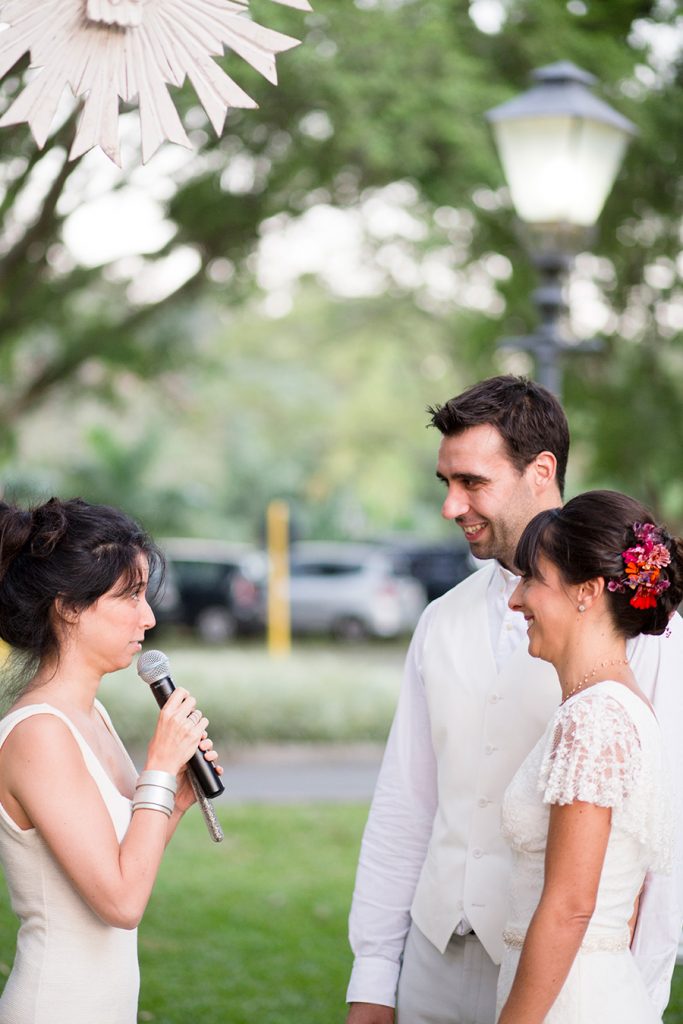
(487, 496)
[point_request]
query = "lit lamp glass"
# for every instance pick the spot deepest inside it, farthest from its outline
(561, 148)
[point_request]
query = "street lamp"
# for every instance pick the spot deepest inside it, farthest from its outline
(561, 148)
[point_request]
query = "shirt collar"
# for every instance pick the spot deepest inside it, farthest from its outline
(509, 579)
(503, 582)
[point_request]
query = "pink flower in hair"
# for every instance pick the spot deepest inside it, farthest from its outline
(643, 564)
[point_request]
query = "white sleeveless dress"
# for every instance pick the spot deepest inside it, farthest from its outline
(70, 967)
(603, 746)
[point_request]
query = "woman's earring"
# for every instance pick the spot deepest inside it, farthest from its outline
(582, 607)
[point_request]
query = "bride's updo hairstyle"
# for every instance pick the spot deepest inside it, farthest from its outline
(69, 550)
(588, 538)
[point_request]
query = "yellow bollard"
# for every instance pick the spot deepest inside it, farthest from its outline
(277, 538)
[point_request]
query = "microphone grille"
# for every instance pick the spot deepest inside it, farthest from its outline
(153, 665)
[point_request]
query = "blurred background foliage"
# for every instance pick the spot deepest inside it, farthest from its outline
(271, 314)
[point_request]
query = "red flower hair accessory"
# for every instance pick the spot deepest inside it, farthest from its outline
(643, 565)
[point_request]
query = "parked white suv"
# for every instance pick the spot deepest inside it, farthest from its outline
(350, 590)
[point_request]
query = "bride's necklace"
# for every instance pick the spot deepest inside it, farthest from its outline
(589, 675)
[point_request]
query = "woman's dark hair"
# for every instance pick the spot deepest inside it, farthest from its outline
(585, 539)
(527, 416)
(62, 549)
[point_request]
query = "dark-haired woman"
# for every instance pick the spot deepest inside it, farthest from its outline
(589, 812)
(81, 836)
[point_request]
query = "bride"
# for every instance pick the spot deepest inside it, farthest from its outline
(588, 814)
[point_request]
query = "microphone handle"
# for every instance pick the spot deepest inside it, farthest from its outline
(201, 769)
(206, 807)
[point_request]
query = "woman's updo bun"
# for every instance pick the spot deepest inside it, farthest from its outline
(50, 523)
(66, 549)
(16, 527)
(586, 539)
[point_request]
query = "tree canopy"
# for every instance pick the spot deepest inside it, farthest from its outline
(382, 106)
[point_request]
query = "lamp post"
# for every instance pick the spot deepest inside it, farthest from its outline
(561, 148)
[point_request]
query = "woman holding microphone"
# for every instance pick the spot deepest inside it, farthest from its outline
(81, 835)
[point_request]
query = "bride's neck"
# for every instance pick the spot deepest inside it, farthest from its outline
(591, 663)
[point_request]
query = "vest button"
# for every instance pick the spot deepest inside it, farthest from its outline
(483, 802)
(494, 698)
(489, 748)
(477, 853)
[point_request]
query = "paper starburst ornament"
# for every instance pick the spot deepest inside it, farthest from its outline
(107, 50)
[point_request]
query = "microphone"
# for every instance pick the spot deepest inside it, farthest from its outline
(154, 668)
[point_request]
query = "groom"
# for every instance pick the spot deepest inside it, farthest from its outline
(429, 905)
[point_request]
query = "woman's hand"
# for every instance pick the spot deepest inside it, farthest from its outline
(185, 796)
(180, 729)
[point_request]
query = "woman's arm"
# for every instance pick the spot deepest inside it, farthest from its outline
(577, 841)
(46, 776)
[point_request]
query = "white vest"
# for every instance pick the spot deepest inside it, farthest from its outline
(483, 724)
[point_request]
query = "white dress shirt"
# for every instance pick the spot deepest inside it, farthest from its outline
(401, 816)
(400, 821)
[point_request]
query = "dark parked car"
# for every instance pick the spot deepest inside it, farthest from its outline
(436, 565)
(202, 578)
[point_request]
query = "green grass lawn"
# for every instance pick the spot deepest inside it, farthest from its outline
(674, 1014)
(253, 929)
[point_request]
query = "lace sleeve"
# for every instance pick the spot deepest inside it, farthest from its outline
(593, 754)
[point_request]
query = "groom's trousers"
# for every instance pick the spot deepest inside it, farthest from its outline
(455, 987)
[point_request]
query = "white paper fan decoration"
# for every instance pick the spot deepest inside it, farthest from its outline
(110, 49)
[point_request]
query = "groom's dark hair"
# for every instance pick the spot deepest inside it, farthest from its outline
(526, 415)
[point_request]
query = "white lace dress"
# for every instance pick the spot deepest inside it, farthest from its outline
(603, 746)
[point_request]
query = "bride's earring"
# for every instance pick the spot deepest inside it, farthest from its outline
(582, 607)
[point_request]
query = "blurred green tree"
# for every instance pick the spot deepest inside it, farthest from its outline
(380, 92)
(325, 407)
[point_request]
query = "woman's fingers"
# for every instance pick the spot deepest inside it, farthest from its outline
(180, 729)
(178, 697)
(207, 748)
(199, 726)
(182, 706)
